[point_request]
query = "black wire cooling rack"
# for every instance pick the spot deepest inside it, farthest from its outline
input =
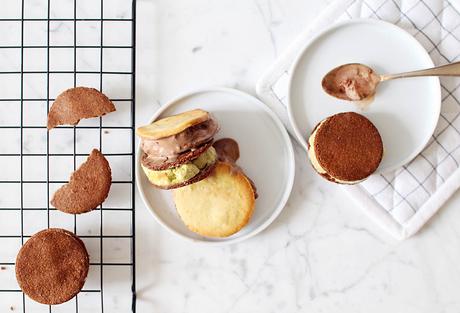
(48, 46)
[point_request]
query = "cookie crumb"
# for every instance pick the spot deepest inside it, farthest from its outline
(11, 308)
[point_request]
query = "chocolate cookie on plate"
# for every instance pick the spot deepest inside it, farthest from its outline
(345, 148)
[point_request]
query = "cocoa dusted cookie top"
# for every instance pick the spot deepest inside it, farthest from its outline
(76, 103)
(52, 266)
(347, 147)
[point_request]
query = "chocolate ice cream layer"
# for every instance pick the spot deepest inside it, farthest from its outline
(168, 148)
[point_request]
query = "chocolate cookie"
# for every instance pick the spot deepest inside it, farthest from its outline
(52, 266)
(88, 186)
(345, 148)
(76, 103)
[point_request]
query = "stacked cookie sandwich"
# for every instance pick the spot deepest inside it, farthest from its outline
(345, 148)
(213, 196)
(177, 150)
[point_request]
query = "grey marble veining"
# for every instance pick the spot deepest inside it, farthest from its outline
(321, 254)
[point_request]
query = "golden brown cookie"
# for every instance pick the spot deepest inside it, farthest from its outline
(172, 125)
(219, 205)
(345, 148)
(52, 266)
(76, 103)
(88, 186)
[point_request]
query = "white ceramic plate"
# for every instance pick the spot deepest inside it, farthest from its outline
(266, 151)
(405, 111)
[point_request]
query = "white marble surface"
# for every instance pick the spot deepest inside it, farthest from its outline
(322, 254)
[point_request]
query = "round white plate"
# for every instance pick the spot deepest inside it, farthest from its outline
(266, 151)
(405, 111)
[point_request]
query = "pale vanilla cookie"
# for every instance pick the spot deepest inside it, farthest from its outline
(172, 125)
(219, 205)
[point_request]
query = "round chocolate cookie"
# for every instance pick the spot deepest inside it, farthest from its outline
(52, 266)
(345, 148)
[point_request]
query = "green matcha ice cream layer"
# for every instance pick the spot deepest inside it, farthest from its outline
(183, 172)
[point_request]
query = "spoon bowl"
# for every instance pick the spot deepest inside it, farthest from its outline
(352, 81)
(358, 82)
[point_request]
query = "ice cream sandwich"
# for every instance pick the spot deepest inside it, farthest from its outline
(345, 148)
(177, 150)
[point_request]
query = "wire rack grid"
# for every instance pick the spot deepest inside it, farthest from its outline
(47, 46)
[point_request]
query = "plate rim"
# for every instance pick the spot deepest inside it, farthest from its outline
(290, 175)
(313, 39)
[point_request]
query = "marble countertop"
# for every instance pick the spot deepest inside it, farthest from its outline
(322, 254)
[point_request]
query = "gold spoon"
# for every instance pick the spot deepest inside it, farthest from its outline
(356, 82)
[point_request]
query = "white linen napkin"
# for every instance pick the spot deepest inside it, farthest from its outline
(401, 201)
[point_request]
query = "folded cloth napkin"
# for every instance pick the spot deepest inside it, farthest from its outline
(401, 201)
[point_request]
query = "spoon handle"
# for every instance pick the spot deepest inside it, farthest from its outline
(452, 69)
